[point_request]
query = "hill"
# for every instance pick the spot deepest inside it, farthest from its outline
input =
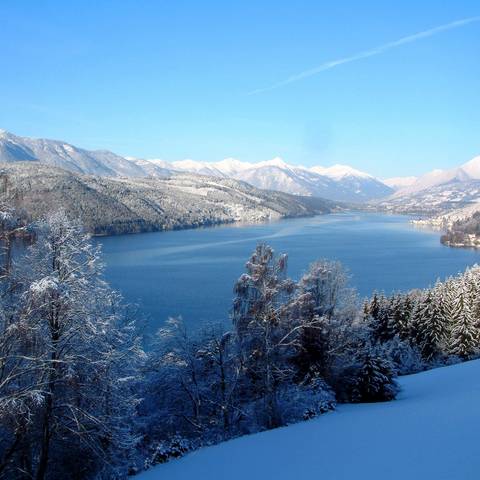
(428, 433)
(110, 205)
(434, 200)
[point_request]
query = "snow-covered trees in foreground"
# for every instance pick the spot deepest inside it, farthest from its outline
(297, 348)
(79, 398)
(68, 359)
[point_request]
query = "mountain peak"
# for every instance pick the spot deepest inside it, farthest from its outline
(339, 171)
(472, 167)
(274, 162)
(231, 165)
(400, 182)
(5, 133)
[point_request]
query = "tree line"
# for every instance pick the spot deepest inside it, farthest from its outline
(82, 396)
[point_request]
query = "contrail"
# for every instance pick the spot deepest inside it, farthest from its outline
(368, 53)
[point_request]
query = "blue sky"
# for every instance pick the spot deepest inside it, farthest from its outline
(173, 80)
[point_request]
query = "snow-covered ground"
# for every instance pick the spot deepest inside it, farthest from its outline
(429, 433)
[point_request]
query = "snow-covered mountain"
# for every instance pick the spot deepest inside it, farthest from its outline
(339, 182)
(60, 154)
(466, 172)
(438, 191)
(435, 200)
(400, 182)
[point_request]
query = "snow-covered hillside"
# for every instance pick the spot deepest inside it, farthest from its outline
(435, 200)
(429, 432)
(64, 155)
(436, 192)
(399, 182)
(464, 173)
(111, 205)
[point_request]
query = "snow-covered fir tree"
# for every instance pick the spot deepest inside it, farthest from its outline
(464, 335)
(429, 324)
(375, 380)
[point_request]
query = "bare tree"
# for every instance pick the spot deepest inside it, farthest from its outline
(71, 359)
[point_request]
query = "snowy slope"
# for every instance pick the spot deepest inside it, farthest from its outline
(340, 171)
(64, 155)
(433, 179)
(400, 182)
(464, 173)
(429, 433)
(434, 200)
(201, 168)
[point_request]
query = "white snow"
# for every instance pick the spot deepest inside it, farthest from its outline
(339, 171)
(429, 432)
(472, 168)
(188, 164)
(467, 171)
(230, 166)
(340, 182)
(400, 182)
(274, 162)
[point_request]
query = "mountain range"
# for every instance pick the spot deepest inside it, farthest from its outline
(431, 192)
(340, 183)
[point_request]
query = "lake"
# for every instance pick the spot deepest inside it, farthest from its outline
(192, 272)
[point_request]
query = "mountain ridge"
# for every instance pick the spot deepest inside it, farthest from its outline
(338, 182)
(118, 205)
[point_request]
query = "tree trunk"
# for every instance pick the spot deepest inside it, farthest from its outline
(46, 435)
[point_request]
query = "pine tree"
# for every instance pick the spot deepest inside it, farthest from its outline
(375, 381)
(396, 315)
(406, 307)
(380, 313)
(430, 325)
(464, 337)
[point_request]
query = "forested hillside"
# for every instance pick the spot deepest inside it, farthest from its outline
(127, 205)
(464, 232)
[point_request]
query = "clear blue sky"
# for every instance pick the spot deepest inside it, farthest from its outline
(171, 80)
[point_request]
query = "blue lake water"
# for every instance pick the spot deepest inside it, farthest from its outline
(192, 272)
